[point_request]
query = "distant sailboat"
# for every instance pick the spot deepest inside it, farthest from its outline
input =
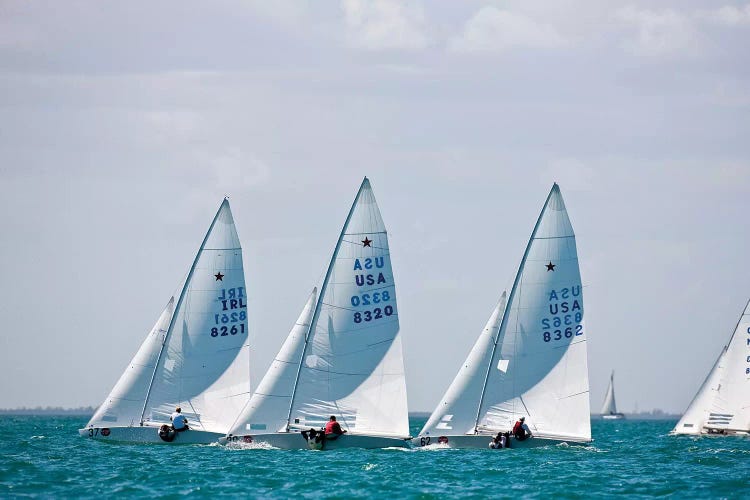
(609, 408)
(195, 357)
(530, 360)
(722, 404)
(343, 356)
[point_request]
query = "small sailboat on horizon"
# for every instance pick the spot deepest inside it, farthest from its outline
(721, 407)
(343, 357)
(530, 360)
(195, 357)
(609, 407)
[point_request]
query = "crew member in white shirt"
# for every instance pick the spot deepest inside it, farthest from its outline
(179, 422)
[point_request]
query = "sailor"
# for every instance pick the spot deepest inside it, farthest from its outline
(179, 422)
(499, 441)
(333, 429)
(521, 431)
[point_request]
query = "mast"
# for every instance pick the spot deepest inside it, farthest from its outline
(177, 307)
(319, 301)
(509, 305)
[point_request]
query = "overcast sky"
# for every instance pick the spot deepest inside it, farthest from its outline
(124, 124)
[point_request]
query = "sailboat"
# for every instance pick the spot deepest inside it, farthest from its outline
(343, 356)
(530, 359)
(609, 408)
(196, 356)
(722, 404)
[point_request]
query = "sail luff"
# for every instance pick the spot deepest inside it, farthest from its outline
(179, 304)
(319, 301)
(501, 331)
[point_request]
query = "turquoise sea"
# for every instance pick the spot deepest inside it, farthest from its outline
(45, 457)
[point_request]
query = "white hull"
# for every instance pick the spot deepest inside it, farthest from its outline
(147, 435)
(613, 416)
(295, 441)
(483, 441)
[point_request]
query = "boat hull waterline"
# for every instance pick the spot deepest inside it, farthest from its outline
(483, 441)
(147, 435)
(295, 441)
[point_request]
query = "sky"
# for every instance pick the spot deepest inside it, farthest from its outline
(124, 124)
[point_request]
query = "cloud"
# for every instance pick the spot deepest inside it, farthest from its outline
(669, 32)
(730, 15)
(385, 24)
(658, 33)
(495, 30)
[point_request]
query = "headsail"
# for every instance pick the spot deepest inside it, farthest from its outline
(268, 408)
(125, 402)
(456, 412)
(722, 403)
(352, 364)
(609, 407)
(537, 367)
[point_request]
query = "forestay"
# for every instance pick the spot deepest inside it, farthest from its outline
(352, 364)
(201, 361)
(537, 365)
(723, 401)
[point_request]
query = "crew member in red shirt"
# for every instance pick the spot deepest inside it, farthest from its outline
(333, 429)
(521, 431)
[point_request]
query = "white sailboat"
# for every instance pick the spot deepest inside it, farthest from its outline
(343, 356)
(722, 404)
(530, 359)
(195, 357)
(609, 408)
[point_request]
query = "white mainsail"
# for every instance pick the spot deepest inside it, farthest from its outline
(351, 364)
(722, 404)
(197, 356)
(609, 407)
(536, 366)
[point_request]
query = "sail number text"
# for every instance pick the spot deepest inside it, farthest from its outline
(566, 314)
(371, 298)
(230, 322)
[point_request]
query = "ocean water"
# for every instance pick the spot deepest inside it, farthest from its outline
(44, 456)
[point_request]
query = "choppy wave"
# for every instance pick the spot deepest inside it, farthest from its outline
(44, 456)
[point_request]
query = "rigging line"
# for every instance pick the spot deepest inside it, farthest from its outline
(509, 303)
(319, 301)
(178, 305)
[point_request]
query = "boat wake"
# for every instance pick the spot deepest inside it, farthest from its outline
(250, 446)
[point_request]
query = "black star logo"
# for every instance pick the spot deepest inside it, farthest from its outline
(550, 266)
(219, 276)
(366, 242)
